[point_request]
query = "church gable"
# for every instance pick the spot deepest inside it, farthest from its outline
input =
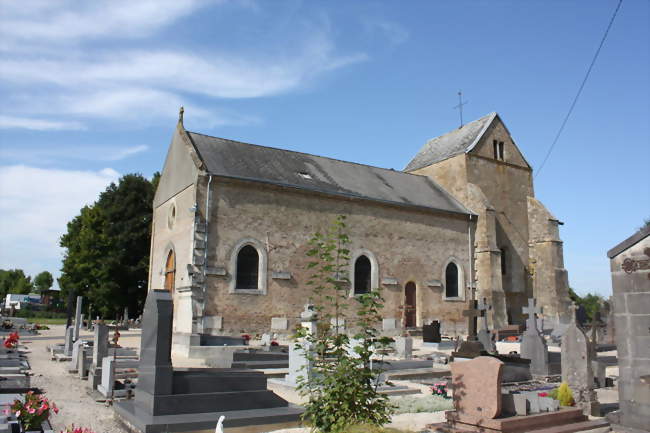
(496, 143)
(181, 167)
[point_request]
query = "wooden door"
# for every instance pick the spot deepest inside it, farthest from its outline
(170, 272)
(410, 308)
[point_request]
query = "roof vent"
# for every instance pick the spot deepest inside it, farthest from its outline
(304, 175)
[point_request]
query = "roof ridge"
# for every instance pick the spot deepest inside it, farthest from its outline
(392, 170)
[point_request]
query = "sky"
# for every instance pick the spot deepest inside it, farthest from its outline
(91, 91)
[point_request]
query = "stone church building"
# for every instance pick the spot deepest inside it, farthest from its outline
(232, 222)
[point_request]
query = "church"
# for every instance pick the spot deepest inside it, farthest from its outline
(232, 222)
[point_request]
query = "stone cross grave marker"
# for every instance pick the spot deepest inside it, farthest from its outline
(484, 335)
(470, 348)
(472, 313)
(577, 370)
(533, 345)
(77, 318)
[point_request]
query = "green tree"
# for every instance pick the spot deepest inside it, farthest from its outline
(14, 281)
(107, 248)
(342, 388)
(591, 302)
(43, 281)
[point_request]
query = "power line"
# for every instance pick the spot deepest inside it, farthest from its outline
(584, 81)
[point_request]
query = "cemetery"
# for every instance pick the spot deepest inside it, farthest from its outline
(248, 216)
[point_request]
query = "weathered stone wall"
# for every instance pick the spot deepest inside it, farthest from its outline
(549, 277)
(408, 245)
(505, 187)
(176, 236)
(631, 287)
(499, 191)
(451, 174)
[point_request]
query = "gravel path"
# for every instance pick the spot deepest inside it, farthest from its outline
(69, 392)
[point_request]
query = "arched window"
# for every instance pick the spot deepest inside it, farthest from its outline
(170, 272)
(362, 270)
(451, 280)
(247, 268)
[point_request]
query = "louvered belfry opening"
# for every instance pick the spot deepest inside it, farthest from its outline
(247, 268)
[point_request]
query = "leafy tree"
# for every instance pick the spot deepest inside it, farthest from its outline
(592, 303)
(107, 248)
(342, 387)
(43, 281)
(14, 281)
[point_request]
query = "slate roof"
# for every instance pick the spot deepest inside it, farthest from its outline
(451, 144)
(233, 159)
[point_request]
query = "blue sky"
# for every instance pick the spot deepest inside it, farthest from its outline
(91, 91)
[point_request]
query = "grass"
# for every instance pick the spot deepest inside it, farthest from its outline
(43, 321)
(429, 403)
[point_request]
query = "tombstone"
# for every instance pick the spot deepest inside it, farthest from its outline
(533, 345)
(77, 318)
(69, 340)
(431, 332)
(470, 348)
(482, 404)
(577, 371)
(76, 347)
(404, 347)
(82, 364)
(484, 335)
(171, 400)
(299, 365)
(477, 387)
(100, 351)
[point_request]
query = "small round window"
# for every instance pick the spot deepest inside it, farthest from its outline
(171, 218)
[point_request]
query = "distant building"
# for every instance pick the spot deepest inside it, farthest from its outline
(19, 301)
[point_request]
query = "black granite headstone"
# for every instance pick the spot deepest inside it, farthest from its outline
(431, 332)
(169, 399)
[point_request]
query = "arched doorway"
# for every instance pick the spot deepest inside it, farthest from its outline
(410, 307)
(170, 272)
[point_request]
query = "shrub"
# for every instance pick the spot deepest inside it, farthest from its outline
(342, 386)
(429, 403)
(564, 395)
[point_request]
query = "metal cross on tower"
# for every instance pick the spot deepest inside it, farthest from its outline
(460, 106)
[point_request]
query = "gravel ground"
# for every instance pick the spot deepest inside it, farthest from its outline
(66, 390)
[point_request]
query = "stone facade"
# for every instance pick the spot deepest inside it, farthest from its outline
(512, 224)
(630, 268)
(203, 220)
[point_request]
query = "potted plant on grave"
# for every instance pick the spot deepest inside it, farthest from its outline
(33, 412)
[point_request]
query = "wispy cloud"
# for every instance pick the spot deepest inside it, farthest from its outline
(70, 20)
(11, 122)
(145, 83)
(392, 31)
(51, 154)
(26, 195)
